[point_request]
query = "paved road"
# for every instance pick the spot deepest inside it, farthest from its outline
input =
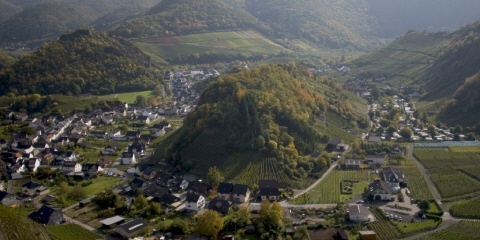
(306, 206)
(316, 182)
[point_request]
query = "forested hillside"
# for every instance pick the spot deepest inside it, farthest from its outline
(179, 17)
(333, 24)
(82, 62)
(5, 60)
(274, 111)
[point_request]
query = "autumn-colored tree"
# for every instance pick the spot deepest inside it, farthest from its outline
(214, 176)
(209, 223)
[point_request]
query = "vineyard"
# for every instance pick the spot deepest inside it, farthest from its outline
(447, 144)
(455, 173)
(466, 209)
(71, 231)
(329, 190)
(416, 182)
(463, 230)
(383, 227)
(257, 168)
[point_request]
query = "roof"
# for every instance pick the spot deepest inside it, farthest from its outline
(112, 220)
(240, 189)
(378, 186)
(163, 176)
(353, 162)
(220, 205)
(137, 182)
(3, 195)
(342, 233)
(334, 141)
(367, 232)
(154, 190)
(199, 187)
(267, 183)
(169, 199)
(132, 226)
(225, 188)
(46, 215)
(393, 174)
(269, 191)
(31, 185)
(374, 138)
(192, 197)
(358, 209)
(127, 155)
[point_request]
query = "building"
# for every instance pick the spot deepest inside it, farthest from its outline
(30, 188)
(332, 143)
(353, 164)
(194, 202)
(69, 167)
(7, 199)
(380, 190)
(111, 221)
(375, 161)
(128, 158)
(220, 205)
(394, 177)
(240, 193)
(358, 213)
(47, 215)
(224, 190)
(269, 193)
(368, 235)
(130, 228)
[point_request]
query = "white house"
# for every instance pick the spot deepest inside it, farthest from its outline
(375, 160)
(68, 167)
(115, 133)
(269, 193)
(128, 158)
(358, 213)
(194, 202)
(240, 193)
(380, 190)
(33, 164)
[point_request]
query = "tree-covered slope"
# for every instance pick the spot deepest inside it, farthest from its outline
(275, 111)
(5, 60)
(333, 24)
(82, 62)
(179, 17)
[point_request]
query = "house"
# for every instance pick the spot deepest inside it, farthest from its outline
(137, 147)
(7, 199)
(115, 133)
(33, 164)
(30, 188)
(396, 149)
(138, 183)
(220, 205)
(130, 228)
(269, 193)
(92, 168)
(179, 184)
(241, 193)
(332, 143)
(143, 119)
(110, 149)
(199, 187)
(47, 215)
(74, 167)
(342, 147)
(380, 190)
(149, 173)
(128, 158)
(367, 235)
(104, 161)
(224, 190)
(132, 135)
(358, 213)
(170, 200)
(155, 191)
(162, 178)
(194, 202)
(394, 177)
(99, 134)
(375, 161)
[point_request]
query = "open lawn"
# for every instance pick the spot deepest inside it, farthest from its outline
(329, 190)
(223, 43)
(125, 97)
(70, 232)
(101, 184)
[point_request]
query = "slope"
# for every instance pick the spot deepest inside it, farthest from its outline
(82, 62)
(333, 24)
(5, 60)
(7, 10)
(16, 226)
(271, 112)
(180, 17)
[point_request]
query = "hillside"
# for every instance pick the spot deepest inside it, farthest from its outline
(5, 60)
(179, 17)
(332, 24)
(16, 226)
(8, 10)
(45, 21)
(272, 112)
(82, 62)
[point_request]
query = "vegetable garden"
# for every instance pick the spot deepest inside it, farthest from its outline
(329, 190)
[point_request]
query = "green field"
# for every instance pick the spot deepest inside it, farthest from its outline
(454, 173)
(70, 232)
(226, 43)
(466, 208)
(462, 230)
(329, 190)
(125, 97)
(416, 182)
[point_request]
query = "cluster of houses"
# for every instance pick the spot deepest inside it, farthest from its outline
(182, 84)
(340, 68)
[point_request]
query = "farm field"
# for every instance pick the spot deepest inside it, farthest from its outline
(328, 191)
(416, 182)
(71, 231)
(466, 208)
(462, 230)
(227, 43)
(454, 173)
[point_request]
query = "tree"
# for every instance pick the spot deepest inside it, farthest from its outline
(209, 223)
(141, 101)
(431, 130)
(154, 209)
(406, 133)
(28, 130)
(214, 176)
(424, 205)
(158, 91)
(62, 188)
(271, 218)
(77, 193)
(140, 203)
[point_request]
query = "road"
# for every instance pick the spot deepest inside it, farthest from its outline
(316, 182)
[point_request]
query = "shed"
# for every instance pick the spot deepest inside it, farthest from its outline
(113, 220)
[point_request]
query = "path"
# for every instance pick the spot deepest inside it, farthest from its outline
(316, 182)
(307, 206)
